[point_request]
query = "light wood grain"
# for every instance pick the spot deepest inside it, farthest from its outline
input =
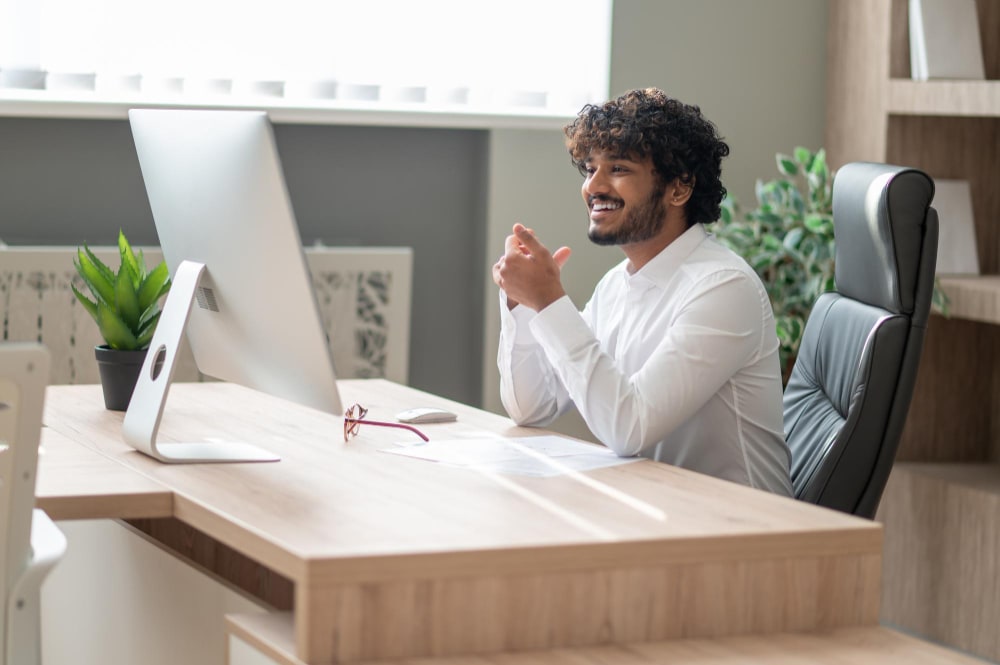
(397, 557)
(517, 612)
(942, 548)
(989, 19)
(224, 563)
(946, 98)
(327, 500)
(272, 635)
(960, 148)
(858, 66)
(941, 575)
(75, 482)
(951, 416)
(974, 298)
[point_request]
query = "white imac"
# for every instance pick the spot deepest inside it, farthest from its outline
(242, 291)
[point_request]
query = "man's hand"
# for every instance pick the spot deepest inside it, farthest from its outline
(527, 272)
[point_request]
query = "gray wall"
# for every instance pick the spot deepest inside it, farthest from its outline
(65, 182)
(757, 68)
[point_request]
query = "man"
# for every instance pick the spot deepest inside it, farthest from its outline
(675, 357)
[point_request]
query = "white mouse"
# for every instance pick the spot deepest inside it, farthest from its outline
(425, 414)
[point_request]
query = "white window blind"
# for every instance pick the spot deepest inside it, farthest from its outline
(543, 56)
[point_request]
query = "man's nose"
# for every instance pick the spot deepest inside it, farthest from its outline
(596, 183)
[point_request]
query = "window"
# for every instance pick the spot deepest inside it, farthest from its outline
(457, 56)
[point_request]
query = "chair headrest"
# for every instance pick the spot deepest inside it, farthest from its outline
(879, 218)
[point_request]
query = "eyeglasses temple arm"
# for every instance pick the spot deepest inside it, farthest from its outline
(396, 425)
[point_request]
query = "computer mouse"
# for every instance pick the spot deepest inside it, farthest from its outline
(426, 414)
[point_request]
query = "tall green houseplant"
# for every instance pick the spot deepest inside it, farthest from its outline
(788, 239)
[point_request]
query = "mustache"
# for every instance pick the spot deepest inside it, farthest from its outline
(591, 200)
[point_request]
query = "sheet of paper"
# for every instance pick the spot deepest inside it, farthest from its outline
(548, 455)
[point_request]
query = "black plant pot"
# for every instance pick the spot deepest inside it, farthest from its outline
(119, 373)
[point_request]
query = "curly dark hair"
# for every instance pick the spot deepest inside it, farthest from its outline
(647, 123)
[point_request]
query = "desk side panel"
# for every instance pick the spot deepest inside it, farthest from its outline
(434, 618)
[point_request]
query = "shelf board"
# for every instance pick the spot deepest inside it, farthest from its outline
(977, 476)
(941, 97)
(973, 297)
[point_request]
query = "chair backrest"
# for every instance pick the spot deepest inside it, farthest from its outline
(847, 398)
(30, 544)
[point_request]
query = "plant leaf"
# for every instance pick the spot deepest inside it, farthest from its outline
(819, 224)
(793, 238)
(803, 156)
(156, 284)
(113, 329)
(87, 303)
(97, 276)
(127, 301)
(787, 165)
(130, 263)
(147, 330)
(108, 273)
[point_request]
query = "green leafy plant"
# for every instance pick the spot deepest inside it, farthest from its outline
(788, 239)
(126, 304)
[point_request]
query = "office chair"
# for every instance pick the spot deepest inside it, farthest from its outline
(31, 544)
(851, 385)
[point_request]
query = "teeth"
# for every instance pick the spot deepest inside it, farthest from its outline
(606, 205)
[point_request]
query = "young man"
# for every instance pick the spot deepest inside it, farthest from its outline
(675, 357)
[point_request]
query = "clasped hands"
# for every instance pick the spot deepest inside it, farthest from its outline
(527, 272)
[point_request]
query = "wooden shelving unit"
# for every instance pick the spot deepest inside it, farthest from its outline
(941, 509)
(973, 298)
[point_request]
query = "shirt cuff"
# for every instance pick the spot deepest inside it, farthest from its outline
(559, 328)
(519, 319)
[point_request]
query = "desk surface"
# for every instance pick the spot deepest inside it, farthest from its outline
(343, 519)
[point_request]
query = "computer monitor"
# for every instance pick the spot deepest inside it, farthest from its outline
(241, 288)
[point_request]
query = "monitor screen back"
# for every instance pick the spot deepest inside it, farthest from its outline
(218, 197)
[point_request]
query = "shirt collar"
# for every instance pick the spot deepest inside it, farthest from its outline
(662, 267)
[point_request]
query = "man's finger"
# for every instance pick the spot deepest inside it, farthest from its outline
(528, 239)
(561, 256)
(511, 245)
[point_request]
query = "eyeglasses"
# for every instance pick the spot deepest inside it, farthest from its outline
(355, 416)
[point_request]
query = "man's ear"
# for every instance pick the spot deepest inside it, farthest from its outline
(679, 191)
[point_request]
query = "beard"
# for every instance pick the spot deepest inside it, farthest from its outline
(640, 224)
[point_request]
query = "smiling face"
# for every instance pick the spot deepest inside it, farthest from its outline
(626, 200)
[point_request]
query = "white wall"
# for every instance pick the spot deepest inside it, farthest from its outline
(756, 68)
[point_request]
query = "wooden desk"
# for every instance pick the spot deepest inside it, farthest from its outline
(394, 557)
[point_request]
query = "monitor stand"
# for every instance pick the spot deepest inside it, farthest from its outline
(142, 418)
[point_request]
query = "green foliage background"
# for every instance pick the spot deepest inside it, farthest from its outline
(788, 240)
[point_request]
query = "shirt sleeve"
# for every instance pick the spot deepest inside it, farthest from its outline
(530, 390)
(717, 331)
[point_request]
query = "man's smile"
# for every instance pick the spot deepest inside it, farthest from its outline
(603, 207)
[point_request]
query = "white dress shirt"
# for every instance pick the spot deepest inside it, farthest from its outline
(677, 362)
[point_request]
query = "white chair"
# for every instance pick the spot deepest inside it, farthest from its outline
(32, 544)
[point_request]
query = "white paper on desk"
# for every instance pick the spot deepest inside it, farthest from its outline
(555, 466)
(548, 455)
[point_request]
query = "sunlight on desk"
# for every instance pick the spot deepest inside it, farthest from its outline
(397, 557)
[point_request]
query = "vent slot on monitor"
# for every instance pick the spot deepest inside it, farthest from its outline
(206, 299)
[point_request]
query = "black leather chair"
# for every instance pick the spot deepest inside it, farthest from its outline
(850, 389)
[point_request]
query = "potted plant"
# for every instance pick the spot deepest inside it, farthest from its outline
(788, 240)
(126, 308)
